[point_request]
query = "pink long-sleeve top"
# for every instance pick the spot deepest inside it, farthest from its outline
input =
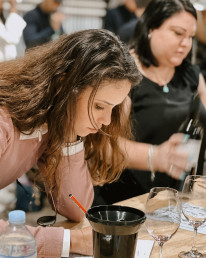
(17, 156)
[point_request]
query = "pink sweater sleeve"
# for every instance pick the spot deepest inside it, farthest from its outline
(76, 180)
(49, 240)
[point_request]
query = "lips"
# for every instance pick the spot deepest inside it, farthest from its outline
(93, 130)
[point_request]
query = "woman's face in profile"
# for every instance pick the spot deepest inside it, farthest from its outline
(172, 41)
(108, 95)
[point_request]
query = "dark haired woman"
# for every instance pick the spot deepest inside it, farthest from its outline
(161, 47)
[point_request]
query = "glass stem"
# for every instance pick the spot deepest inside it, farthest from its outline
(194, 248)
(160, 247)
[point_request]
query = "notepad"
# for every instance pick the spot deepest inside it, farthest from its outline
(143, 250)
(185, 225)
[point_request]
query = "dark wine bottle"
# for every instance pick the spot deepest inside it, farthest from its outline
(193, 129)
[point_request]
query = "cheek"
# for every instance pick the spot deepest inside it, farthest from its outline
(157, 49)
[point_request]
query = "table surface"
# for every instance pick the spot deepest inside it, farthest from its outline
(181, 241)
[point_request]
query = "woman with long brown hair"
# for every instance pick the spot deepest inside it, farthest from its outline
(54, 101)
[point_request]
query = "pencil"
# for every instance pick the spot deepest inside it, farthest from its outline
(77, 203)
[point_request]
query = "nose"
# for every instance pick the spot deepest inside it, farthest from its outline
(186, 42)
(105, 119)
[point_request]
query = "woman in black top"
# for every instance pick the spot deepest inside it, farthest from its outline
(161, 47)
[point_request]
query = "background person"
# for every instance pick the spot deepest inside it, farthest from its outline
(116, 17)
(57, 99)
(126, 31)
(44, 23)
(11, 28)
(160, 46)
(167, 29)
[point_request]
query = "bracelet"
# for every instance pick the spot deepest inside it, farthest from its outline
(149, 162)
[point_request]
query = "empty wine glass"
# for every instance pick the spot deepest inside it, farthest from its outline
(163, 212)
(193, 200)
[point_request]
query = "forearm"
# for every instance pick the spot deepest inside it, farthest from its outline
(136, 154)
(162, 158)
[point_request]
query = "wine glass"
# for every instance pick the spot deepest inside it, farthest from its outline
(163, 212)
(193, 200)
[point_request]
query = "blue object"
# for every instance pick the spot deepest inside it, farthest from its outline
(165, 88)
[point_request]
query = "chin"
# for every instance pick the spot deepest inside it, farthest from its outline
(177, 62)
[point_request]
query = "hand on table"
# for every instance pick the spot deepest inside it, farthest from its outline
(81, 241)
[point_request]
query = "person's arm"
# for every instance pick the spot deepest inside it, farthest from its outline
(33, 36)
(13, 29)
(164, 156)
(75, 179)
(50, 240)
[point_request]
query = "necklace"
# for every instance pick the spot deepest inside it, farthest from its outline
(166, 89)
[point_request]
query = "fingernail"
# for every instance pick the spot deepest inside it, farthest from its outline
(185, 138)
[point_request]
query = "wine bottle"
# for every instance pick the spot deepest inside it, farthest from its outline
(193, 129)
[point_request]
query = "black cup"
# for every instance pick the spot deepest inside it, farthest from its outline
(115, 230)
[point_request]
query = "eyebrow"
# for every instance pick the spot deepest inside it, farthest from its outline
(179, 27)
(106, 102)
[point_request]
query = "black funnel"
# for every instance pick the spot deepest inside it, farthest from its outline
(115, 230)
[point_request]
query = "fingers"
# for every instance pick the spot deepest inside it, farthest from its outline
(178, 159)
(168, 157)
(178, 138)
(176, 172)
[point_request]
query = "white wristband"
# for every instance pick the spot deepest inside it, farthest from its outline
(66, 243)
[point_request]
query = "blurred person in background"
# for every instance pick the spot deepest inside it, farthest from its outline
(126, 31)
(116, 17)
(44, 23)
(11, 28)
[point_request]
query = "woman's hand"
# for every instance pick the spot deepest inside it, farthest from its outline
(168, 158)
(81, 241)
(13, 6)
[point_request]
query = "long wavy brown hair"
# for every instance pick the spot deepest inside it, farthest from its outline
(44, 85)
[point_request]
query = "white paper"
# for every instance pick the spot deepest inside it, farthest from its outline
(185, 225)
(184, 222)
(143, 250)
